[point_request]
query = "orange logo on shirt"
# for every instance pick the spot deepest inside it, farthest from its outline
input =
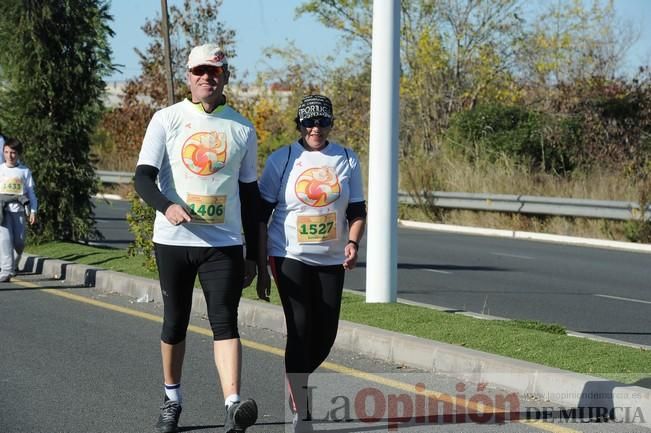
(318, 187)
(204, 153)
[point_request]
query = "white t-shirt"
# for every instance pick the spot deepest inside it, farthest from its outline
(18, 181)
(200, 157)
(312, 190)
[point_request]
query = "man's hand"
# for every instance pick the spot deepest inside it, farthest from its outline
(176, 215)
(32, 218)
(249, 272)
(263, 285)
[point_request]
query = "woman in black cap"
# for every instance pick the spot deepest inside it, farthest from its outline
(312, 189)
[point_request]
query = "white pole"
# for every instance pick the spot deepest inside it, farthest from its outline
(382, 248)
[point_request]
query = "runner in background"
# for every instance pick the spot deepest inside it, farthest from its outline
(18, 198)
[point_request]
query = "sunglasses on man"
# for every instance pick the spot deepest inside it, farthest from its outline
(207, 69)
(323, 122)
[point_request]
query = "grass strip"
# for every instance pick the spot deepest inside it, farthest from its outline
(531, 341)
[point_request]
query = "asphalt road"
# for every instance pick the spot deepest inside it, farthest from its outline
(77, 361)
(590, 290)
(112, 223)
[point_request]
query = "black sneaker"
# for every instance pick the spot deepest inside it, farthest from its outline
(168, 420)
(240, 416)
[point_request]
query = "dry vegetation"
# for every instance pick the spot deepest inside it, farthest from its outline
(449, 173)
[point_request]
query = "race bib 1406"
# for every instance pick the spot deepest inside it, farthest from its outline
(207, 209)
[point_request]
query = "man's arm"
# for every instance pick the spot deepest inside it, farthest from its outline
(145, 182)
(263, 286)
(250, 206)
(250, 202)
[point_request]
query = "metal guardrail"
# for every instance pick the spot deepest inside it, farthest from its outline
(526, 204)
(115, 176)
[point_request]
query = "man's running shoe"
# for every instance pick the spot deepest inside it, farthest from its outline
(240, 416)
(168, 420)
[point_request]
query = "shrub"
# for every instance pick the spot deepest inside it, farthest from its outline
(141, 224)
(528, 136)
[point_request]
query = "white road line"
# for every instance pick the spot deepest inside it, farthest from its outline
(514, 256)
(618, 298)
(437, 271)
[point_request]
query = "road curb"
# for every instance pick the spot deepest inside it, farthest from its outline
(560, 387)
(514, 234)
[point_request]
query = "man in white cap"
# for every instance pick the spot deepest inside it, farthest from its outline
(203, 154)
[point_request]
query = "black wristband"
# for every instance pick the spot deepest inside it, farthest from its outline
(350, 241)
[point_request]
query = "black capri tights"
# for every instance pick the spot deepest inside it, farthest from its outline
(311, 298)
(221, 273)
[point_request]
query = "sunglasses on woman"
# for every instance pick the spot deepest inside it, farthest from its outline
(207, 69)
(323, 122)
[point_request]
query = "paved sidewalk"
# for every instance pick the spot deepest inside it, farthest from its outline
(550, 384)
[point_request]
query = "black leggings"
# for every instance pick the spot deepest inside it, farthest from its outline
(311, 298)
(221, 273)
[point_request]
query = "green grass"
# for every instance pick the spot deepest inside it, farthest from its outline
(531, 341)
(102, 257)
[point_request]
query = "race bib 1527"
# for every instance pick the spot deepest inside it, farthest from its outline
(316, 228)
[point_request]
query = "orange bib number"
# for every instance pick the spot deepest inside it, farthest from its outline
(316, 228)
(207, 209)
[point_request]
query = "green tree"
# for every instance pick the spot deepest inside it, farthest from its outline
(354, 18)
(574, 40)
(197, 22)
(53, 57)
(453, 53)
(347, 85)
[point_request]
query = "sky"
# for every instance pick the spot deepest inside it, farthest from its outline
(262, 23)
(258, 24)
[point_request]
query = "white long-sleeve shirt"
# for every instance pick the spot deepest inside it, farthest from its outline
(312, 190)
(201, 157)
(18, 181)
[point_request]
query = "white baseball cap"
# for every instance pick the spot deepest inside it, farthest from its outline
(207, 54)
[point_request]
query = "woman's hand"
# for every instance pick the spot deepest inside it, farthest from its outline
(351, 256)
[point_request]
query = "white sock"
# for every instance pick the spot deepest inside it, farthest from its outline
(233, 398)
(173, 392)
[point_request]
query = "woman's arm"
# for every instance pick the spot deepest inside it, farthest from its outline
(355, 234)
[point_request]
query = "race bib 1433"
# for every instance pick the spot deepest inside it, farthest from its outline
(12, 186)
